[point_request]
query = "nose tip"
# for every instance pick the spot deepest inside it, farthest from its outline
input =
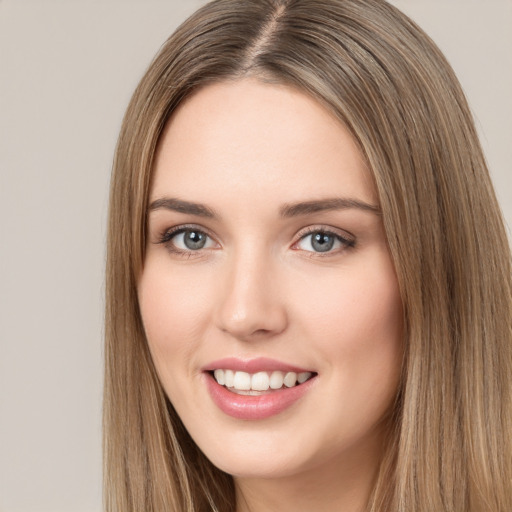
(251, 306)
(251, 323)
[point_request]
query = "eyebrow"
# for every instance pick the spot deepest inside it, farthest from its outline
(178, 205)
(288, 210)
(336, 203)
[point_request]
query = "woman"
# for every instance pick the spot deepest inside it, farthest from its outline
(308, 278)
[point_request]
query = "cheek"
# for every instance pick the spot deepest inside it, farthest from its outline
(357, 321)
(353, 304)
(173, 309)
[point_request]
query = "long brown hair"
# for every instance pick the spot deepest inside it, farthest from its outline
(450, 442)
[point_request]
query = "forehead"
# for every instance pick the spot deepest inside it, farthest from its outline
(254, 139)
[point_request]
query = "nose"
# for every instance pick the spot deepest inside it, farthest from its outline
(251, 306)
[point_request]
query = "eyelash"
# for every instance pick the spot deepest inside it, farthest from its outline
(167, 236)
(347, 242)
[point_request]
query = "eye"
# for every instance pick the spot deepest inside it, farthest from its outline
(187, 239)
(321, 241)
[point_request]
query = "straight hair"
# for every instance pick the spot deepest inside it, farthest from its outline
(449, 446)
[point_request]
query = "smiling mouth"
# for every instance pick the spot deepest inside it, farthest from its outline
(243, 383)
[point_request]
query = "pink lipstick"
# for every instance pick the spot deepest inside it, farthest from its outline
(275, 386)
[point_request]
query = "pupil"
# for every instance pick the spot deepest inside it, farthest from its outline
(194, 240)
(322, 242)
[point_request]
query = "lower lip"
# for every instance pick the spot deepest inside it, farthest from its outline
(250, 407)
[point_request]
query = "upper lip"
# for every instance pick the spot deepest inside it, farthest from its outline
(253, 365)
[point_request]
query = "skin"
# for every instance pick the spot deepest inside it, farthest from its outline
(258, 288)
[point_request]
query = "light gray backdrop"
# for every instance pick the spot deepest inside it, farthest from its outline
(67, 70)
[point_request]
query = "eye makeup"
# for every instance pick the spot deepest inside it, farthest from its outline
(320, 241)
(324, 241)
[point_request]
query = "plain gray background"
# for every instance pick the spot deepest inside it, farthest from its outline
(67, 70)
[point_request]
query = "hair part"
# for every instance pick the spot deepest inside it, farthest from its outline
(388, 83)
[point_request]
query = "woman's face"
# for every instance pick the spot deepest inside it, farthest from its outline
(267, 266)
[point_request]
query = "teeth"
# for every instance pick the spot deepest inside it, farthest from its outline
(277, 380)
(290, 379)
(261, 381)
(229, 378)
(219, 377)
(242, 381)
(303, 377)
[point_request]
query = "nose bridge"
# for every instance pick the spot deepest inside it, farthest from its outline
(250, 305)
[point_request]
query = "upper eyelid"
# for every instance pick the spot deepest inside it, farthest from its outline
(343, 233)
(185, 227)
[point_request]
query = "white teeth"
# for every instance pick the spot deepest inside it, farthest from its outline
(229, 377)
(219, 377)
(302, 377)
(276, 380)
(261, 381)
(242, 381)
(290, 379)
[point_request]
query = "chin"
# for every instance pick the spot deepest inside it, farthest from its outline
(265, 456)
(241, 466)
